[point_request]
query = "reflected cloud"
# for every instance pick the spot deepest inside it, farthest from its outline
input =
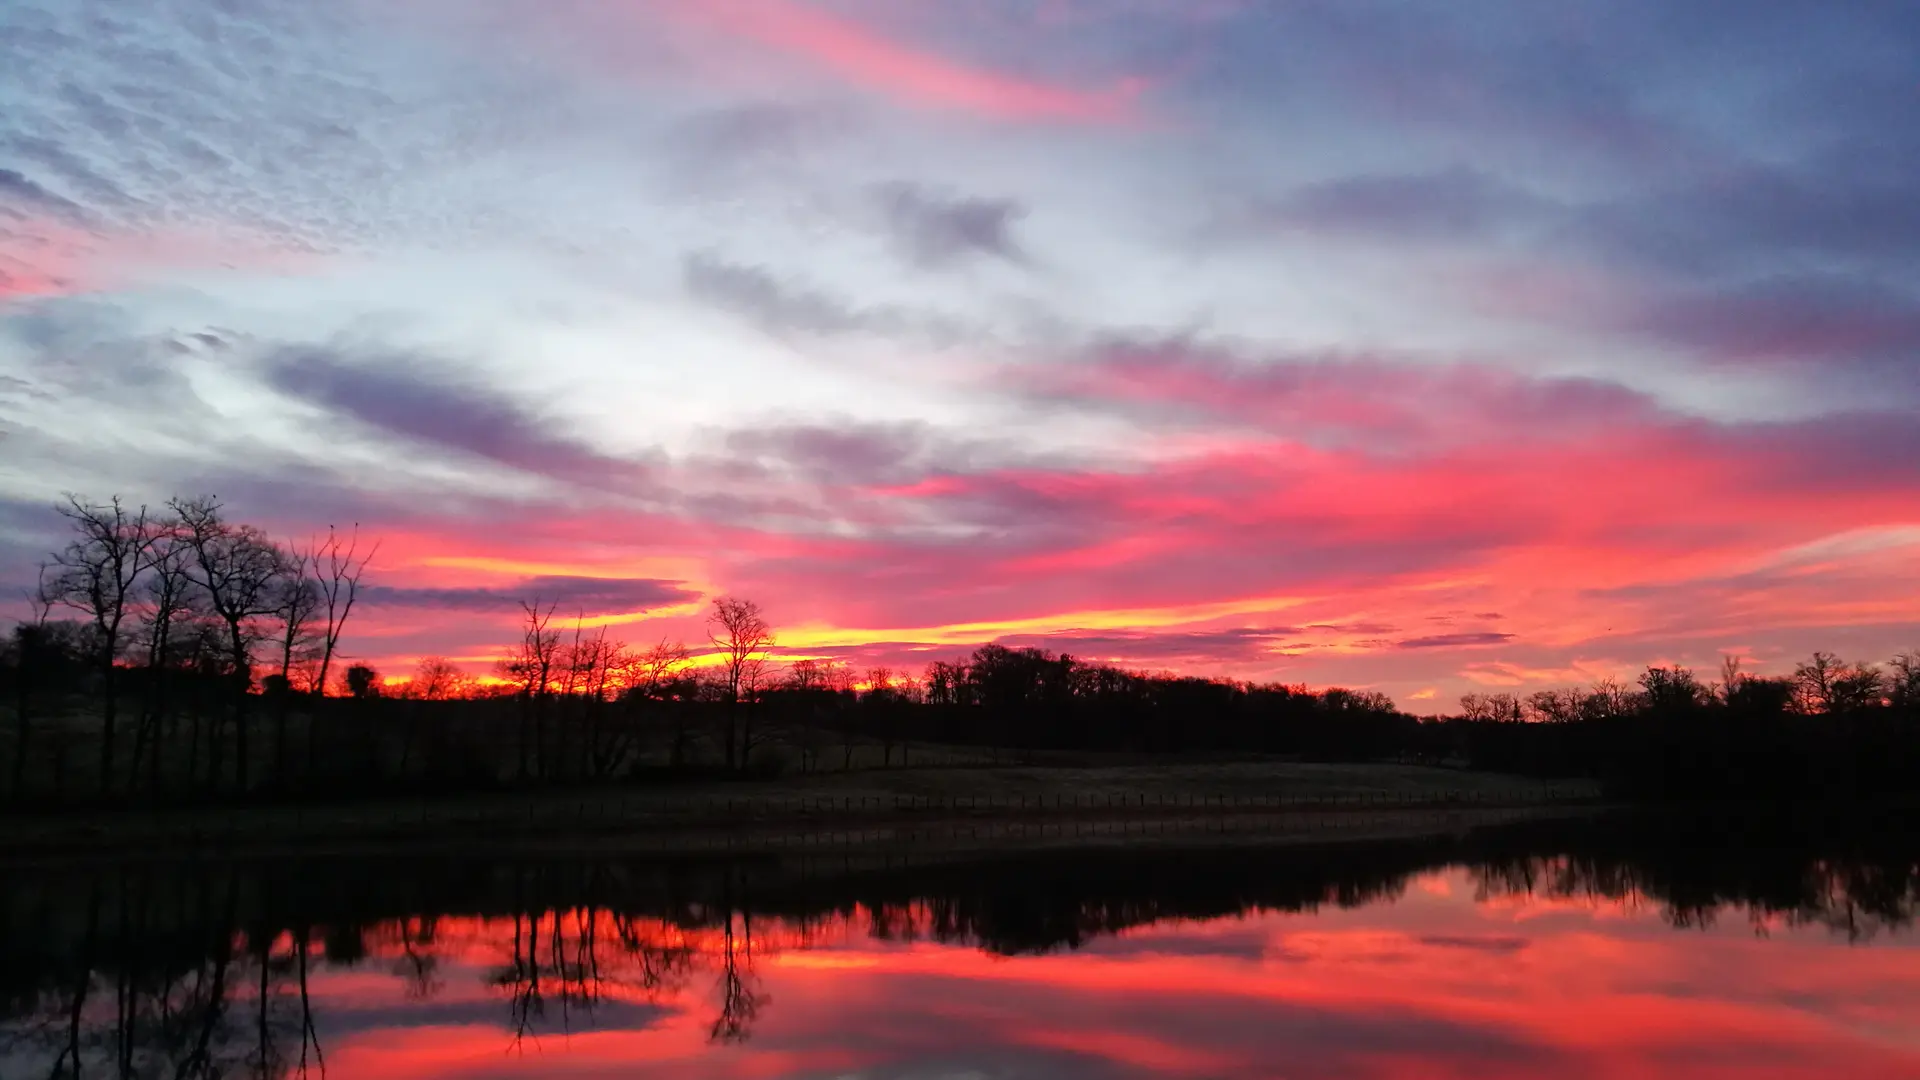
(1503, 953)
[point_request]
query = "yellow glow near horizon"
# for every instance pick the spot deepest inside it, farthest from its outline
(817, 636)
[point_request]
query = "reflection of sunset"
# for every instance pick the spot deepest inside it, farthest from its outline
(1433, 985)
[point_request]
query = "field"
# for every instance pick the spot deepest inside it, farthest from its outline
(887, 806)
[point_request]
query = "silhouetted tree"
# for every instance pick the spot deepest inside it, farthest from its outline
(363, 682)
(97, 574)
(32, 650)
(1903, 684)
(438, 679)
(530, 665)
(1672, 691)
(1859, 687)
(236, 568)
(1753, 696)
(338, 565)
(1493, 708)
(166, 617)
(656, 677)
(742, 635)
(1555, 706)
(1814, 679)
(296, 601)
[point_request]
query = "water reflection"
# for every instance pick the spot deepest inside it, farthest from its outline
(1495, 954)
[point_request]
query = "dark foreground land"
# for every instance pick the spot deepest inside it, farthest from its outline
(951, 807)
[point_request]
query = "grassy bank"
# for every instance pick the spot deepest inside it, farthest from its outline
(893, 805)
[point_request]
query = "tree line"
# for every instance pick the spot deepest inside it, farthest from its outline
(1831, 729)
(199, 658)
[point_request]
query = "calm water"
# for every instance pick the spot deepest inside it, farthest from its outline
(1603, 952)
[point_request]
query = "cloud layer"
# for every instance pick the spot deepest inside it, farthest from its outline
(1416, 348)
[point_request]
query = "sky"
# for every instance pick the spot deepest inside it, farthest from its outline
(1427, 348)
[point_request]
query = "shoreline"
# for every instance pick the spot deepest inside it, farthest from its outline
(1040, 800)
(946, 837)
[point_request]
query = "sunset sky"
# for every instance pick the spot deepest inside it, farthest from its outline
(1428, 348)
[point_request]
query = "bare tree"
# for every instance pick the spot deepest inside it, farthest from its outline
(1554, 706)
(296, 603)
(883, 701)
(1858, 686)
(30, 639)
(656, 668)
(235, 568)
(96, 574)
(1814, 681)
(741, 633)
(338, 565)
(654, 674)
(168, 605)
(1608, 699)
(1903, 683)
(531, 666)
(601, 664)
(1499, 708)
(438, 679)
(1731, 677)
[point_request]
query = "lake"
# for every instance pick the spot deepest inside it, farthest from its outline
(1706, 947)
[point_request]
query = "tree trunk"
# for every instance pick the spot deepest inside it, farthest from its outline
(309, 1035)
(280, 737)
(541, 754)
(326, 656)
(318, 704)
(86, 984)
(193, 748)
(526, 734)
(242, 682)
(109, 714)
(216, 730)
(23, 717)
(156, 763)
(153, 710)
(406, 738)
(139, 755)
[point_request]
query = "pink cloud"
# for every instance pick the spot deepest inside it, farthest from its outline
(1531, 532)
(40, 257)
(867, 58)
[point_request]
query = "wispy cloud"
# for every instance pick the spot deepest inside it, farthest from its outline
(892, 68)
